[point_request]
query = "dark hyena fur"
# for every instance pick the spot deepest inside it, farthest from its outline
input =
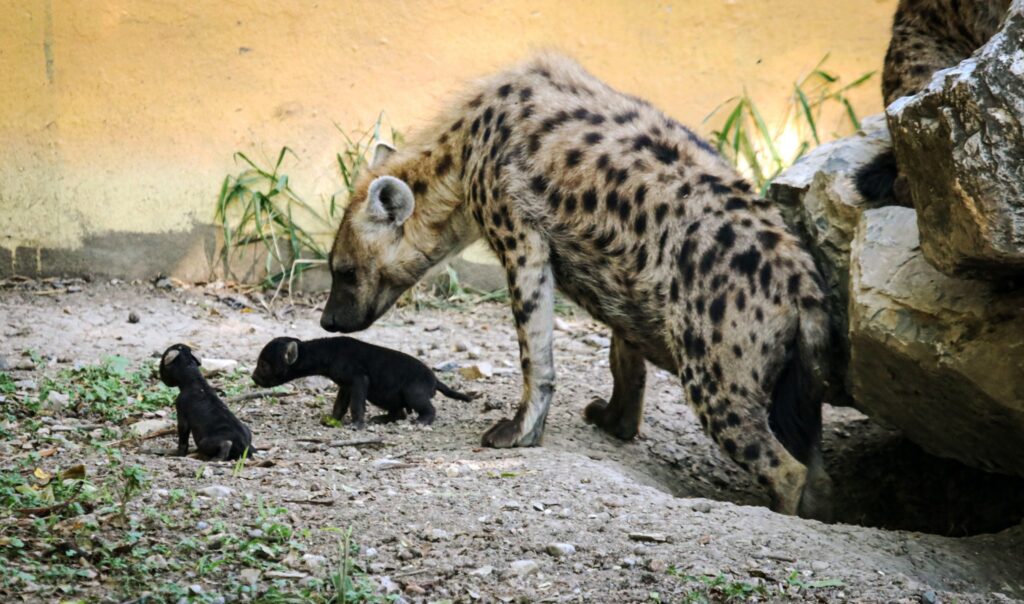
(927, 35)
(636, 219)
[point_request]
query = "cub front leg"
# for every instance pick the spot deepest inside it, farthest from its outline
(357, 400)
(622, 415)
(532, 287)
(341, 402)
(182, 436)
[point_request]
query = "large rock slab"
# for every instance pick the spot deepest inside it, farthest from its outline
(960, 146)
(819, 198)
(941, 358)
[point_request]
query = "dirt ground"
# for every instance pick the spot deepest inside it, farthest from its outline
(585, 518)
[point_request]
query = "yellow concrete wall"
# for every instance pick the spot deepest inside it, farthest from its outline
(121, 116)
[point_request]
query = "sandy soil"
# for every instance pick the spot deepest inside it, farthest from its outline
(439, 518)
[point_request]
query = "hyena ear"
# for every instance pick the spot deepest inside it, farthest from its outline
(291, 353)
(170, 356)
(390, 200)
(381, 152)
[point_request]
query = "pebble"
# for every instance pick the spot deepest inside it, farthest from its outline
(701, 506)
(313, 561)
(560, 550)
(597, 341)
(218, 366)
(629, 562)
(523, 568)
(4, 366)
(249, 575)
(929, 597)
(26, 385)
(133, 317)
(483, 571)
(649, 537)
(477, 371)
(436, 535)
(819, 565)
(656, 565)
(150, 426)
(216, 491)
(202, 525)
(156, 561)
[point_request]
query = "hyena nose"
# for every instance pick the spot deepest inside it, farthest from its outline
(327, 322)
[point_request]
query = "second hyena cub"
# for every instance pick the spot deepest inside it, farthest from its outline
(394, 381)
(577, 186)
(217, 432)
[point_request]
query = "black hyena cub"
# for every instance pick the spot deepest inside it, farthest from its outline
(394, 381)
(216, 431)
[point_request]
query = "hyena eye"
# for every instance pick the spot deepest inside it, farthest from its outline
(347, 276)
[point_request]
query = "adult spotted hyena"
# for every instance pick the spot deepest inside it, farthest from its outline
(635, 218)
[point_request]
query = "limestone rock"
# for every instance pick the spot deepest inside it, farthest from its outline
(819, 198)
(960, 146)
(941, 358)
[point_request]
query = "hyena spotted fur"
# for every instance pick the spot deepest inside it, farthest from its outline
(636, 219)
(927, 35)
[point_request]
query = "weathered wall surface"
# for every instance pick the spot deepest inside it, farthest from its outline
(118, 119)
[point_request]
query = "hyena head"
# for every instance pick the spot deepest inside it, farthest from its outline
(373, 260)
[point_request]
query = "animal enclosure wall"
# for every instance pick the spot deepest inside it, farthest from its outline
(119, 118)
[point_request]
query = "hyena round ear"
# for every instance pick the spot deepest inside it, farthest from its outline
(291, 353)
(170, 356)
(381, 152)
(390, 200)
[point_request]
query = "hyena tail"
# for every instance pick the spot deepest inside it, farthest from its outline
(455, 394)
(876, 180)
(795, 413)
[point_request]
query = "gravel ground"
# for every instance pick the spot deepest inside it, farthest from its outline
(585, 518)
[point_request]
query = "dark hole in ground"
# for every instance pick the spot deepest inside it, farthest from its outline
(884, 480)
(880, 478)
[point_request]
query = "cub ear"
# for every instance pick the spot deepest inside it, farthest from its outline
(170, 356)
(381, 152)
(390, 200)
(291, 352)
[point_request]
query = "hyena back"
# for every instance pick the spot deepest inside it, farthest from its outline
(577, 186)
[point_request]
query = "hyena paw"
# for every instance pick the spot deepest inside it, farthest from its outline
(504, 434)
(601, 414)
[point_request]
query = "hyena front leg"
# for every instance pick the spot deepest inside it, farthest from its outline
(622, 415)
(532, 287)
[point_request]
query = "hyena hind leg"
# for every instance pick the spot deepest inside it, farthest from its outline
(622, 415)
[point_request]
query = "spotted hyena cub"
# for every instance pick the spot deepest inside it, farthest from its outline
(927, 35)
(577, 186)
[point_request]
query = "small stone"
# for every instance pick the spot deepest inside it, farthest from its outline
(562, 325)
(819, 565)
(560, 550)
(370, 552)
(477, 371)
(461, 346)
(249, 576)
(413, 589)
(202, 525)
(195, 588)
(388, 585)
(446, 366)
(216, 491)
(313, 562)
(629, 562)
(150, 426)
(4, 366)
(656, 565)
(25, 385)
(483, 571)
(56, 401)
(701, 506)
(649, 537)
(929, 597)
(156, 561)
(436, 534)
(524, 568)
(218, 366)
(133, 317)
(597, 341)
(538, 505)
